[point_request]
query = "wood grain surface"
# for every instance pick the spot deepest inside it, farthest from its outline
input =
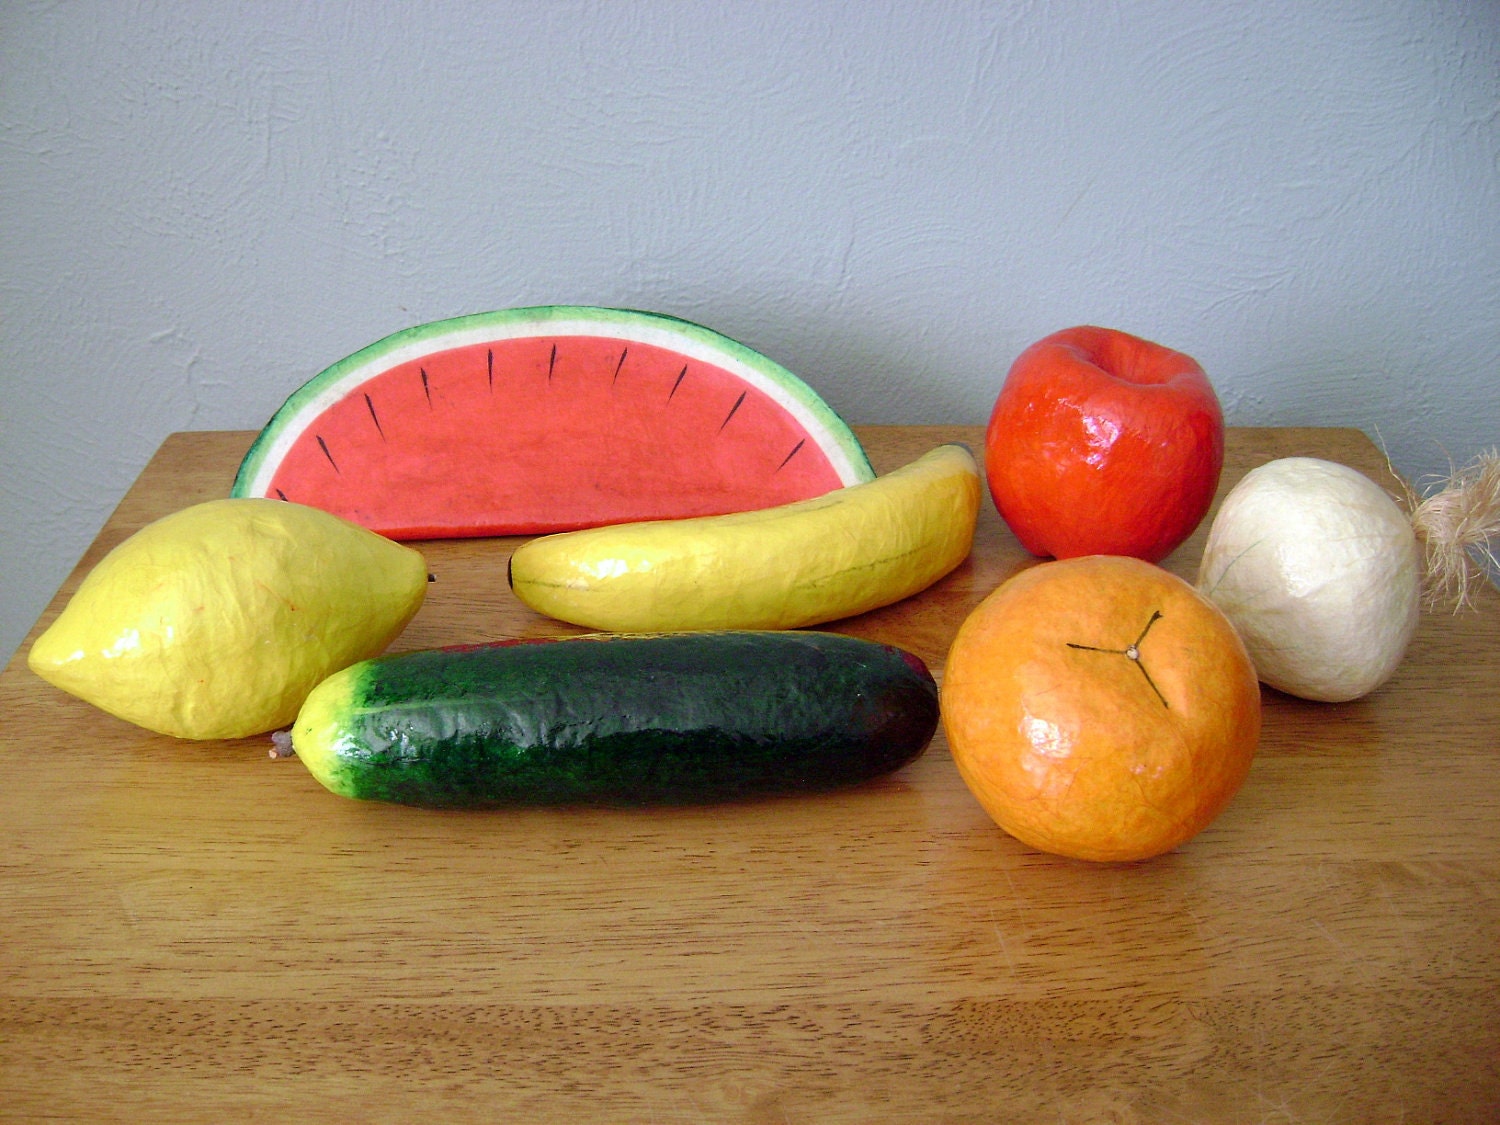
(195, 932)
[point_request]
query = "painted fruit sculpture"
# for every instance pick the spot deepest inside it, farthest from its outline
(1321, 572)
(535, 420)
(217, 621)
(672, 718)
(1103, 443)
(1324, 574)
(817, 560)
(1100, 708)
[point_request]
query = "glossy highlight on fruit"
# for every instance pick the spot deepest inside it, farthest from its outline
(216, 621)
(843, 553)
(1104, 443)
(1100, 708)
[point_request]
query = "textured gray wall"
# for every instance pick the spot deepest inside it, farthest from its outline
(203, 204)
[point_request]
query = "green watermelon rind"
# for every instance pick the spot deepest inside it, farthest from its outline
(829, 431)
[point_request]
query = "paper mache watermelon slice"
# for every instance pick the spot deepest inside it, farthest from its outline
(533, 420)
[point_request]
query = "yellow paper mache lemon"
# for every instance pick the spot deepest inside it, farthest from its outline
(218, 620)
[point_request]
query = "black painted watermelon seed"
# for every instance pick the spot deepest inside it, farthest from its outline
(790, 455)
(732, 409)
(323, 445)
(375, 417)
(681, 375)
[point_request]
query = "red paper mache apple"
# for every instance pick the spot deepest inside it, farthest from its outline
(1102, 443)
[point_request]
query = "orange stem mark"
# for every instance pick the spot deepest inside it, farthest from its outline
(1132, 652)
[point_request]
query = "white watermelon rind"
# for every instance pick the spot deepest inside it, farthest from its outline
(823, 425)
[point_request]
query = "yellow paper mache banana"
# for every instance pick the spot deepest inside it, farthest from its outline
(851, 550)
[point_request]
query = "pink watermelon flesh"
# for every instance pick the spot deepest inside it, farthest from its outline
(593, 430)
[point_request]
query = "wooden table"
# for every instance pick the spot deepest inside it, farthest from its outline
(195, 932)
